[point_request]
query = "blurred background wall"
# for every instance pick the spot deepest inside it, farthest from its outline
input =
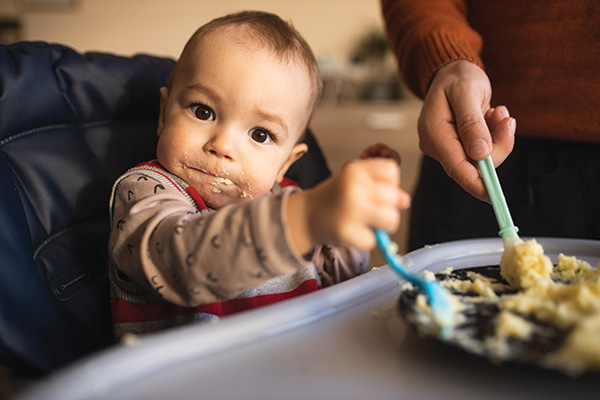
(161, 27)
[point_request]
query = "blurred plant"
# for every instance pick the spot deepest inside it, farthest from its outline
(372, 47)
(372, 56)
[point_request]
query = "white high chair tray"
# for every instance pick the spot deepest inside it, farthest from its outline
(343, 342)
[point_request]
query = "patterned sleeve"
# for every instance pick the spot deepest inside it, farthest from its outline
(425, 35)
(159, 238)
(337, 264)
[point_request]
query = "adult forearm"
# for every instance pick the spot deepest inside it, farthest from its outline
(426, 35)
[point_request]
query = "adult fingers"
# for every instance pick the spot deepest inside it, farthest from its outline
(503, 129)
(494, 115)
(504, 139)
(439, 140)
(471, 125)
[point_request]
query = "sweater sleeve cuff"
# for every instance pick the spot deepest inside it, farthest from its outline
(438, 50)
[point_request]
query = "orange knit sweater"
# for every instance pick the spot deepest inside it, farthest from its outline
(542, 57)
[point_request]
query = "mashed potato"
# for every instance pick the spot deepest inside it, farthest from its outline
(567, 296)
(524, 264)
(541, 299)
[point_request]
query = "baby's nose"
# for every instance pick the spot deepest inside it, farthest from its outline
(222, 145)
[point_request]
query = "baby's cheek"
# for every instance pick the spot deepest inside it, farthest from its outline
(259, 182)
(254, 191)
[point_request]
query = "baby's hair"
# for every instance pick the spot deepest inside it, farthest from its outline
(268, 30)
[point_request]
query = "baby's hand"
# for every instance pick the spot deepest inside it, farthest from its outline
(344, 209)
(380, 150)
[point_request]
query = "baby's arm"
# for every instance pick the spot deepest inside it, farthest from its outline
(338, 263)
(344, 209)
(190, 258)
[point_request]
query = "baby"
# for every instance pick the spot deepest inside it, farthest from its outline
(213, 226)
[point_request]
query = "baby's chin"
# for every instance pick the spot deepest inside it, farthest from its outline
(216, 201)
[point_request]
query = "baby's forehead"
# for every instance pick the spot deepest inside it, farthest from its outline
(240, 35)
(236, 33)
(284, 48)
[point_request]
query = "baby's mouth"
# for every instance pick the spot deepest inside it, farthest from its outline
(219, 178)
(223, 181)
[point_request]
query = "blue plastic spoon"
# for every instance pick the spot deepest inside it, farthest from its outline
(439, 297)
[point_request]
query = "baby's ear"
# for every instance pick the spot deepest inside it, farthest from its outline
(297, 152)
(164, 96)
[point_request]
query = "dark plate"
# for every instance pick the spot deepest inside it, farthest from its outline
(478, 328)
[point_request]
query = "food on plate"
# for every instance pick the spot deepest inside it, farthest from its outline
(526, 311)
(524, 264)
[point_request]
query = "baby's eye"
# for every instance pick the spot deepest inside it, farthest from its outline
(260, 135)
(203, 112)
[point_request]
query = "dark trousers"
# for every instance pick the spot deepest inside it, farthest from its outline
(552, 189)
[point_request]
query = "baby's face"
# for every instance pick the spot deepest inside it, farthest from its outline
(231, 121)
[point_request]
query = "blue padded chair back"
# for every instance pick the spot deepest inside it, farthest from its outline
(70, 124)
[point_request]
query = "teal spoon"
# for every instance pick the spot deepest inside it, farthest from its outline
(439, 297)
(508, 230)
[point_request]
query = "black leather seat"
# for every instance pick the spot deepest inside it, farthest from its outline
(70, 124)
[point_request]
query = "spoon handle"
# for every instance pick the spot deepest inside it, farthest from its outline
(508, 230)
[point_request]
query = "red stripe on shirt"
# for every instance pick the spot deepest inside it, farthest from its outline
(196, 197)
(189, 190)
(128, 312)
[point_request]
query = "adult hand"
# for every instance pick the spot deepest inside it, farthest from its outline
(457, 126)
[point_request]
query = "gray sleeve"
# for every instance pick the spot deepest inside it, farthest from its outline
(191, 258)
(337, 264)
